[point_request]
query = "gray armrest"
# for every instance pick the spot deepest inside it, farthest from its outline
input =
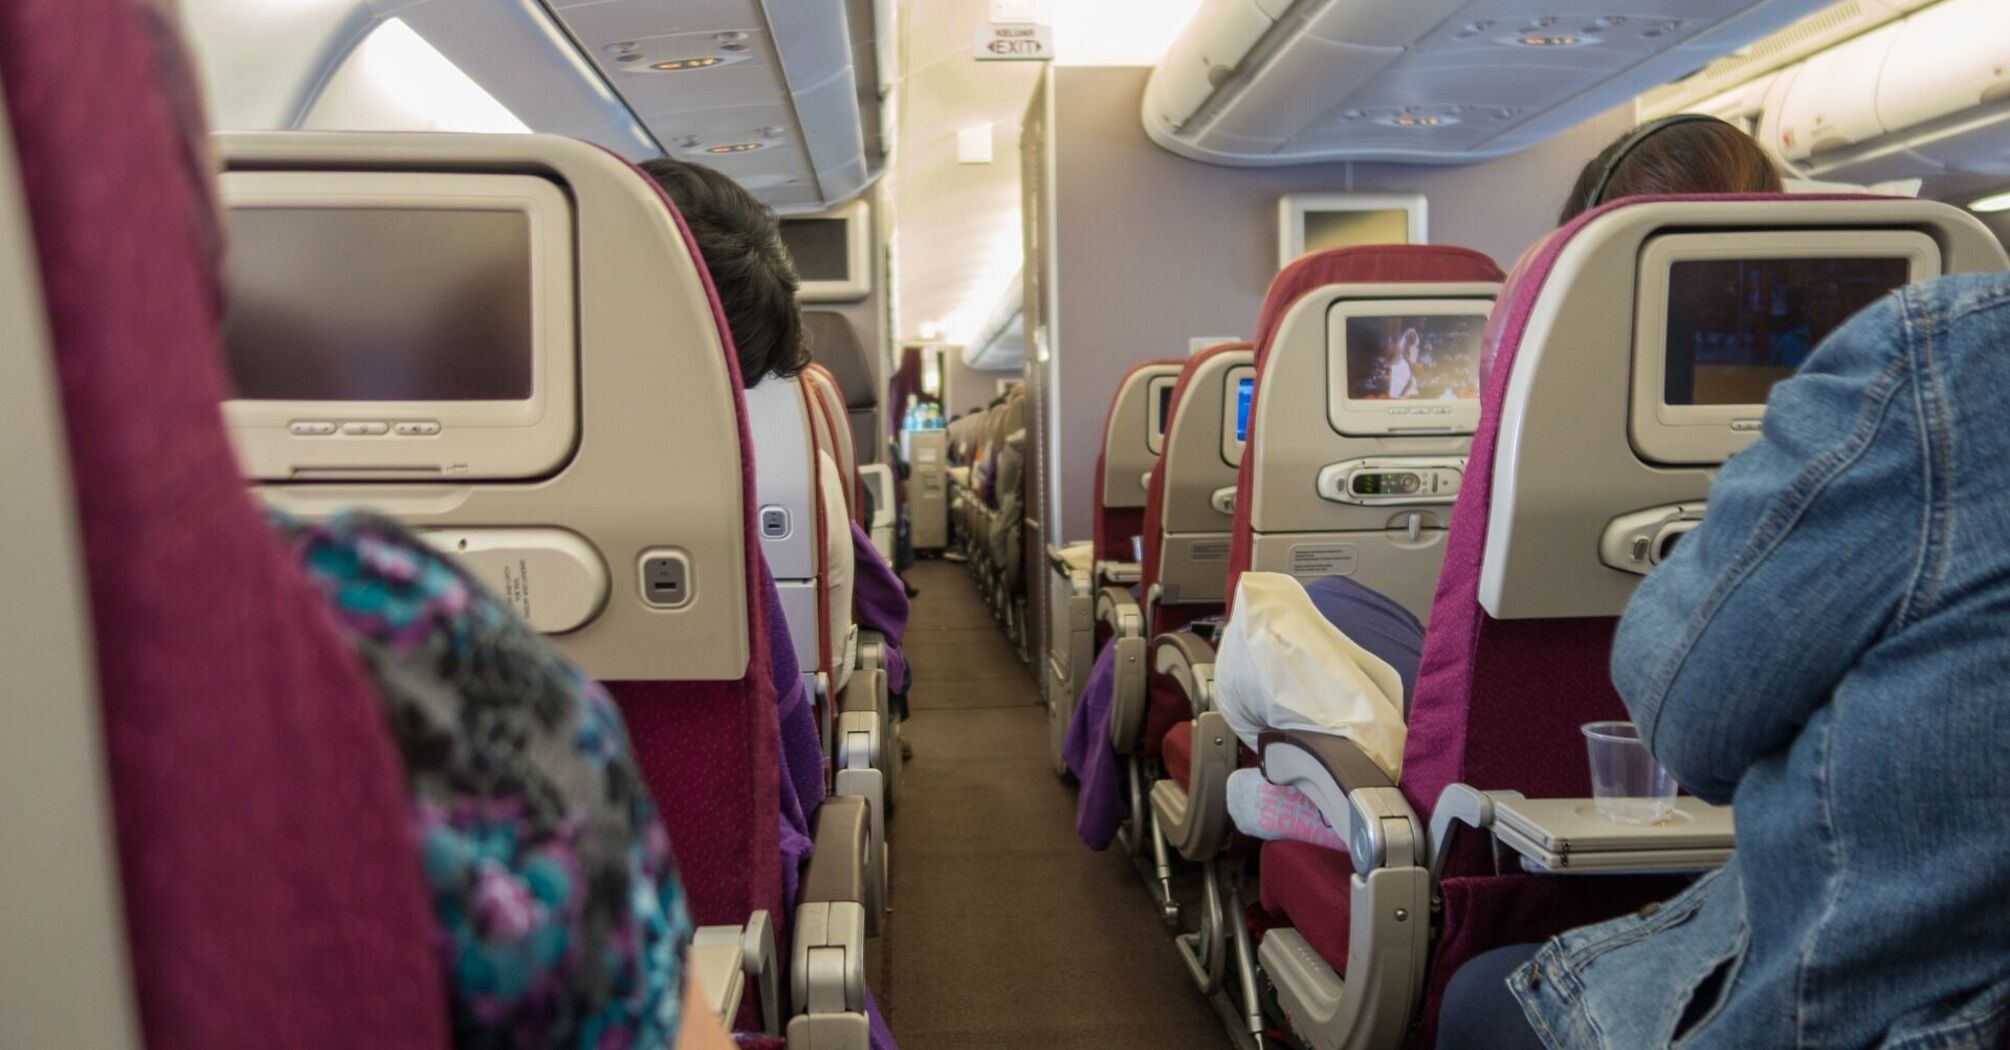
(1122, 573)
(1195, 819)
(1356, 797)
(1116, 607)
(724, 958)
(836, 871)
(871, 649)
(1189, 659)
(827, 978)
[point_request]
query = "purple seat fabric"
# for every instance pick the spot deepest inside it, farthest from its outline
(880, 603)
(801, 749)
(272, 891)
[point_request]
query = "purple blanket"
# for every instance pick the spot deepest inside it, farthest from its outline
(1099, 807)
(879, 603)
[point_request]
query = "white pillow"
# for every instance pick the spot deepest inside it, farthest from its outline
(1282, 665)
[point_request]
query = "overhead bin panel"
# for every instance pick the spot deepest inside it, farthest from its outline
(1948, 80)
(1832, 105)
(1430, 81)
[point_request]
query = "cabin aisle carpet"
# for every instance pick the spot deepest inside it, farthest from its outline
(1006, 931)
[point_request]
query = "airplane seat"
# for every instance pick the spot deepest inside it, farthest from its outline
(1295, 519)
(1007, 527)
(1131, 436)
(199, 824)
(811, 558)
(1300, 355)
(1548, 537)
(645, 568)
(1115, 739)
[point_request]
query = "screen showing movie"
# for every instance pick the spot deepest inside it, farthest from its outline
(1737, 326)
(1414, 357)
(1244, 389)
(379, 304)
(1165, 408)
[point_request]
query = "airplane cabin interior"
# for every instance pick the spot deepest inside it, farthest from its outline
(950, 524)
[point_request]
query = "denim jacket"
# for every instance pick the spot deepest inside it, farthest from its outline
(1830, 651)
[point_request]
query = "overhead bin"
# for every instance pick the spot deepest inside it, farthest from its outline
(1263, 82)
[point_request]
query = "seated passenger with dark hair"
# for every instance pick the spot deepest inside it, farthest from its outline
(742, 245)
(1828, 651)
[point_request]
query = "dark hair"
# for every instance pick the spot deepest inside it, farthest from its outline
(742, 245)
(1692, 156)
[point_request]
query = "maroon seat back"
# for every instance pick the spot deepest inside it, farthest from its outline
(1115, 525)
(272, 891)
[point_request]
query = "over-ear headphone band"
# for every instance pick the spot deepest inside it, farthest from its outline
(1633, 142)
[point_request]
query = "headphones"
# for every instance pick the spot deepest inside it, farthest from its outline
(1633, 142)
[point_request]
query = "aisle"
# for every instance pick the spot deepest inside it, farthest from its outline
(1006, 930)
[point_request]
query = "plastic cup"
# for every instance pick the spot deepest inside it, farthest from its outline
(1629, 786)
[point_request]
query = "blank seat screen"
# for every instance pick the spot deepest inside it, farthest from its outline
(1414, 357)
(1737, 326)
(380, 304)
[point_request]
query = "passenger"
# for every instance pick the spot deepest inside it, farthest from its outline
(1687, 153)
(1856, 717)
(742, 245)
(561, 918)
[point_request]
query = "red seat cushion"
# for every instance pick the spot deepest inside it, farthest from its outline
(1177, 753)
(1305, 887)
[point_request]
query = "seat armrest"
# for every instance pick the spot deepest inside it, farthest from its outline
(1119, 573)
(871, 649)
(1189, 659)
(836, 871)
(724, 958)
(1353, 793)
(1116, 607)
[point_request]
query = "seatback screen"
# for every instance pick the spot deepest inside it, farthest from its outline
(1737, 326)
(819, 248)
(1414, 357)
(1244, 389)
(380, 304)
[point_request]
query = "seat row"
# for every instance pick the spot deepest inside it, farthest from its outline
(1508, 487)
(186, 677)
(987, 506)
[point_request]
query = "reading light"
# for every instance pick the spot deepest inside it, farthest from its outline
(675, 64)
(1991, 204)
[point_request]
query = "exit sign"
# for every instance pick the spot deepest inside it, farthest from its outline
(1014, 42)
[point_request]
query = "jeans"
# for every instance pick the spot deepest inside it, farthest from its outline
(1479, 1012)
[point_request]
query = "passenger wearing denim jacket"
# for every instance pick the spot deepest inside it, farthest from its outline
(1831, 652)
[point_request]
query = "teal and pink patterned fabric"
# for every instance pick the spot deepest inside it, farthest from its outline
(560, 921)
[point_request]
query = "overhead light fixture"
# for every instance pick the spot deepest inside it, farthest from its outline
(1549, 40)
(734, 147)
(676, 64)
(1991, 204)
(1417, 120)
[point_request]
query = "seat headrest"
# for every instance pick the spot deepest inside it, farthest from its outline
(1366, 264)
